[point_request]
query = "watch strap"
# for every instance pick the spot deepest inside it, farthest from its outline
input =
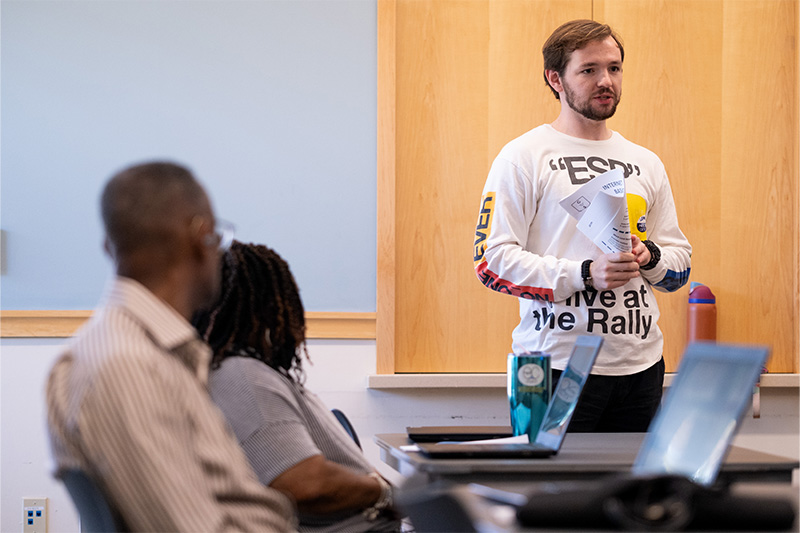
(655, 255)
(586, 274)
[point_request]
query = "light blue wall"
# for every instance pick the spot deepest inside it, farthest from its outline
(272, 103)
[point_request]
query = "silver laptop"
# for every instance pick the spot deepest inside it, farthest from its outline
(554, 423)
(692, 431)
(685, 447)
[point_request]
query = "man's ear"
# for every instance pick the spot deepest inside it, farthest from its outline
(554, 80)
(197, 239)
(201, 248)
(109, 248)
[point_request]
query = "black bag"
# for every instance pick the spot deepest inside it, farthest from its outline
(657, 503)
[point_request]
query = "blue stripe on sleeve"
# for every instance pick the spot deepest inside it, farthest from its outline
(674, 280)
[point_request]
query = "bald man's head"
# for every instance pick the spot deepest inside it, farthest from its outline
(144, 205)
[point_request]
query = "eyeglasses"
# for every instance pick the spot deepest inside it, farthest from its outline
(224, 231)
(221, 238)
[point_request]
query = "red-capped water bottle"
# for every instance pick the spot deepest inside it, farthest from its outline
(702, 315)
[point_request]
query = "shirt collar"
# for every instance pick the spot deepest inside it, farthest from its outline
(162, 322)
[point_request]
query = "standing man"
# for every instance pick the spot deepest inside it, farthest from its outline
(127, 403)
(528, 246)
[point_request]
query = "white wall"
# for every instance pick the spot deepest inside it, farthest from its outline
(338, 375)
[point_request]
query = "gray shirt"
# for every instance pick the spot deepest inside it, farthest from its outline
(279, 424)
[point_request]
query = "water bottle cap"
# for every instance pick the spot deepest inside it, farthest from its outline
(701, 294)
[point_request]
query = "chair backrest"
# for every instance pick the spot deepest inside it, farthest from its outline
(96, 513)
(340, 416)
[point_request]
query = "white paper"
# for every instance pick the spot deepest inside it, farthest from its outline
(601, 208)
(504, 440)
(517, 439)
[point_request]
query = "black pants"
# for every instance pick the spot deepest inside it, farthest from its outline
(612, 404)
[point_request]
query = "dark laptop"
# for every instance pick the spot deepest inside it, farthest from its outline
(554, 424)
(457, 433)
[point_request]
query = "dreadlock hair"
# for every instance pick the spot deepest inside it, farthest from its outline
(259, 313)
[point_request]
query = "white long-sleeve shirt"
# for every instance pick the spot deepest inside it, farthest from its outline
(528, 246)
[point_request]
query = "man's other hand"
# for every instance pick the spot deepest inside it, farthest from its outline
(641, 251)
(610, 271)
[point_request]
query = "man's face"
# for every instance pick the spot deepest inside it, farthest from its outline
(592, 80)
(214, 274)
(210, 271)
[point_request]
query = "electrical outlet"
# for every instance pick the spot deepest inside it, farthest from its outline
(34, 515)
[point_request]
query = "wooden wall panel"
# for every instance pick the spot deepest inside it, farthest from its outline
(518, 97)
(670, 104)
(466, 79)
(386, 201)
(465, 86)
(441, 139)
(759, 209)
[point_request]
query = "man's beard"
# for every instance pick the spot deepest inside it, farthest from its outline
(585, 108)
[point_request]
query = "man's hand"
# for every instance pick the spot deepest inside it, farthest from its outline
(610, 271)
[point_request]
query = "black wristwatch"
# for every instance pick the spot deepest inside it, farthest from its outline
(586, 274)
(655, 255)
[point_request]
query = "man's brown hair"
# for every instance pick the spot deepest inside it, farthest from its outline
(571, 36)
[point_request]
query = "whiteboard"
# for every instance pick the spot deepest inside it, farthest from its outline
(271, 103)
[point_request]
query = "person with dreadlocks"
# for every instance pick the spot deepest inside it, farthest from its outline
(295, 444)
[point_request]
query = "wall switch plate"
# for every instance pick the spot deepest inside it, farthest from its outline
(34, 515)
(2, 252)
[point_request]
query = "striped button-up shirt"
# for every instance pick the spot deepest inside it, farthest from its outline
(127, 403)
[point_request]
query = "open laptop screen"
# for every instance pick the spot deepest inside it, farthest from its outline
(556, 418)
(567, 393)
(691, 433)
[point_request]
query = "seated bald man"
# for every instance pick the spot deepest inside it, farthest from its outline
(127, 402)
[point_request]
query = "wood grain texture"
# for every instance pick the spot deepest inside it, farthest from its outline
(466, 73)
(759, 176)
(61, 324)
(386, 194)
(671, 105)
(441, 138)
(709, 91)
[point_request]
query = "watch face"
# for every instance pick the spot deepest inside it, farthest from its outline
(530, 375)
(568, 389)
